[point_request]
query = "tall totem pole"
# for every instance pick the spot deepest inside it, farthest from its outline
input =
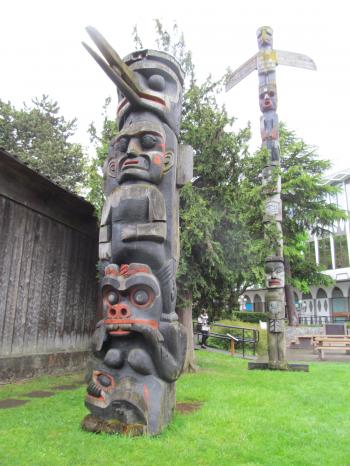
(139, 345)
(265, 62)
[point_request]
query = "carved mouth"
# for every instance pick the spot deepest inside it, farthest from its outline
(124, 326)
(139, 163)
(130, 162)
(274, 281)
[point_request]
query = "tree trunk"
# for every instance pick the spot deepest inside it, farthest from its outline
(292, 315)
(185, 317)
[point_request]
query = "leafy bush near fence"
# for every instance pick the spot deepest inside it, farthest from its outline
(253, 317)
(261, 348)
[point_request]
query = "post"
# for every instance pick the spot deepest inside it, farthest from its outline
(232, 347)
(139, 345)
(274, 265)
(265, 61)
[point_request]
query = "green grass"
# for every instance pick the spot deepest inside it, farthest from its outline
(247, 418)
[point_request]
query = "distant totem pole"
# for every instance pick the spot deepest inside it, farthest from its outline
(265, 62)
(139, 345)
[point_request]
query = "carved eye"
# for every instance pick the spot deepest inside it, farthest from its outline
(141, 297)
(156, 82)
(112, 168)
(112, 297)
(122, 144)
(148, 141)
(271, 93)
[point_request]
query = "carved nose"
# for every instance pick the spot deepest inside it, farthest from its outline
(119, 311)
(133, 148)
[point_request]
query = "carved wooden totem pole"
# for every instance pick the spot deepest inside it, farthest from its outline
(139, 345)
(265, 62)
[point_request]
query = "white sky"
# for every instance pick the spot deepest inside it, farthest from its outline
(41, 52)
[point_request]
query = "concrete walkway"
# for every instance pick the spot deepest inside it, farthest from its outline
(293, 355)
(307, 355)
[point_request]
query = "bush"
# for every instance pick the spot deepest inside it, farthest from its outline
(253, 317)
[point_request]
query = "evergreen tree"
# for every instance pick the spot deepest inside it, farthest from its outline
(306, 211)
(40, 137)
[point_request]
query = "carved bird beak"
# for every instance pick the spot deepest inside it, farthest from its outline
(114, 67)
(122, 76)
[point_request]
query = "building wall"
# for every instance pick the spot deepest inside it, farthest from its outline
(48, 289)
(322, 304)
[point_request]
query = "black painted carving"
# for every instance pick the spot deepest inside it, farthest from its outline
(139, 345)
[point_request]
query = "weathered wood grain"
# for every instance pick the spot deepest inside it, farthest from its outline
(48, 266)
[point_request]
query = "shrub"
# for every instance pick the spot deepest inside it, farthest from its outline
(253, 317)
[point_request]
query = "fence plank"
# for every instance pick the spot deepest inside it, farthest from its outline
(24, 281)
(12, 269)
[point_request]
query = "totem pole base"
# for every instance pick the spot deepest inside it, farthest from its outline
(131, 408)
(111, 426)
(275, 367)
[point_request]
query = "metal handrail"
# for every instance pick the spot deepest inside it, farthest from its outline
(243, 339)
(254, 330)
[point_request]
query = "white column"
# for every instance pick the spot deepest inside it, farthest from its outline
(317, 252)
(347, 224)
(332, 251)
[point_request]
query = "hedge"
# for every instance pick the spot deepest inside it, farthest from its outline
(253, 317)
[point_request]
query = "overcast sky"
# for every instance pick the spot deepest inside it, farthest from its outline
(41, 52)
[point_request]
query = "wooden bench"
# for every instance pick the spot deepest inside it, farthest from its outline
(335, 343)
(319, 339)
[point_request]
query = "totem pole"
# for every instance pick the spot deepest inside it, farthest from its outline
(265, 62)
(139, 345)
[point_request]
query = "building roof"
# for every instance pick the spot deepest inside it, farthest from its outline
(337, 177)
(28, 187)
(44, 178)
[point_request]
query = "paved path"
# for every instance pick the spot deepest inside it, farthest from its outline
(307, 355)
(295, 355)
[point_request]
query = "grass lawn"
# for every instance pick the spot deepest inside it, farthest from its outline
(247, 418)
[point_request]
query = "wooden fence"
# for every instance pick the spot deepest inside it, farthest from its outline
(48, 290)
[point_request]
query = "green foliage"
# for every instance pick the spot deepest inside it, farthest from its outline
(220, 243)
(306, 207)
(253, 317)
(101, 142)
(174, 43)
(40, 137)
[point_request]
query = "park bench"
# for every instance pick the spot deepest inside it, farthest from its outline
(334, 343)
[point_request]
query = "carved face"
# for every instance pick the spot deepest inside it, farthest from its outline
(159, 79)
(265, 36)
(139, 153)
(131, 296)
(274, 270)
(268, 98)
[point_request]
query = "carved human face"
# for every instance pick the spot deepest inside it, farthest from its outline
(274, 270)
(265, 36)
(139, 152)
(267, 98)
(159, 79)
